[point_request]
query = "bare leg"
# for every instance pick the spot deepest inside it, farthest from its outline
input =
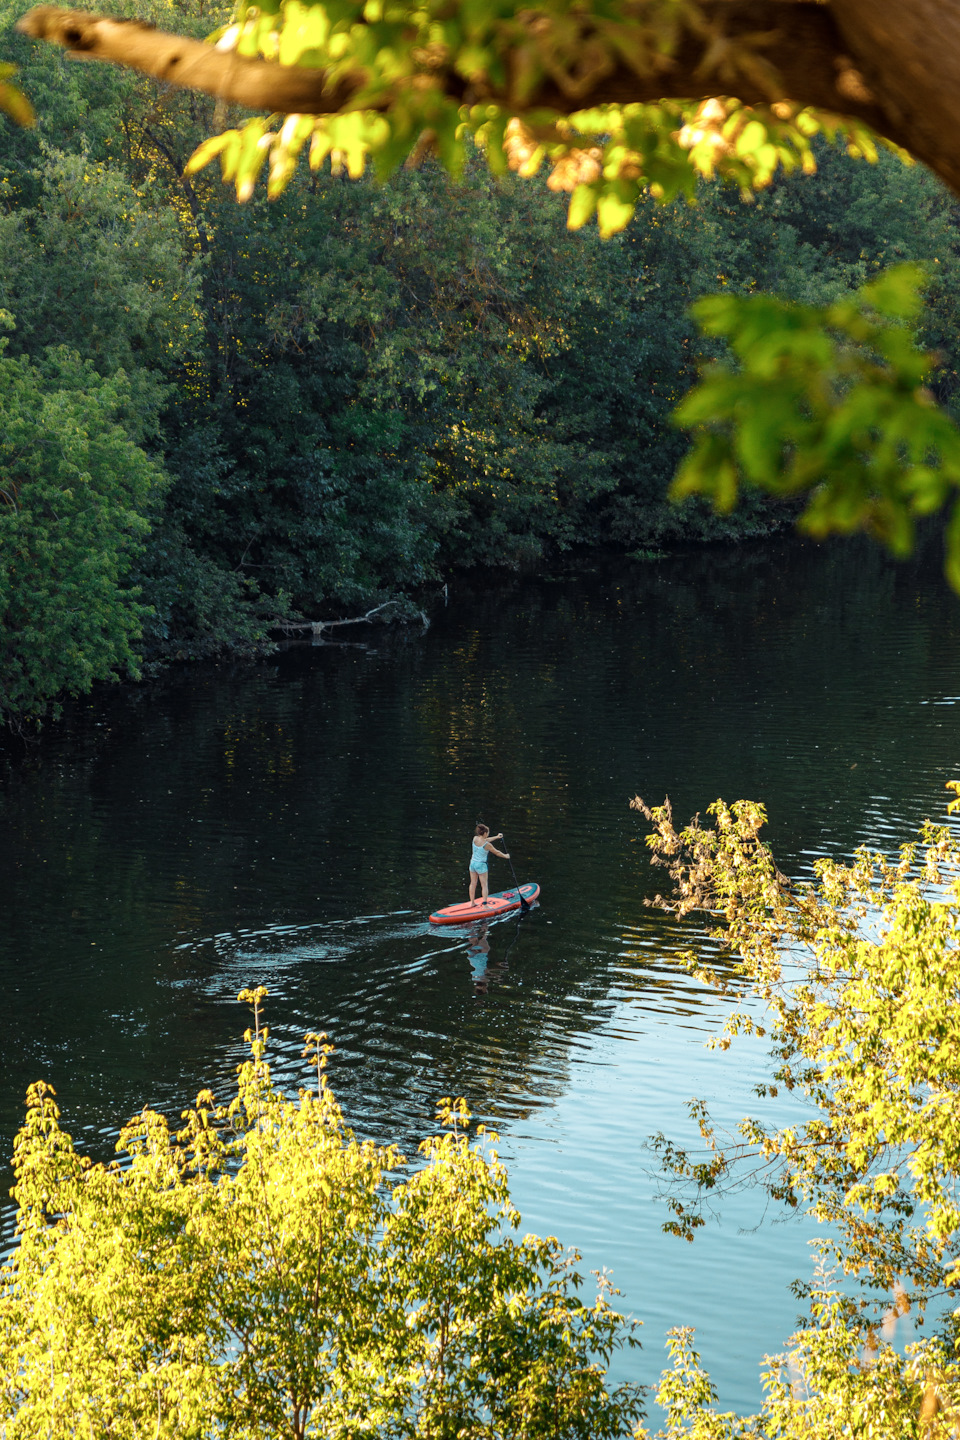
(485, 885)
(474, 877)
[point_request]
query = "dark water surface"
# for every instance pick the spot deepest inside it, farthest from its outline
(293, 823)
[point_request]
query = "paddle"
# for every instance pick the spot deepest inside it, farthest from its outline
(524, 904)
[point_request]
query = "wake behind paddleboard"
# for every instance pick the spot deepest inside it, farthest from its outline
(499, 904)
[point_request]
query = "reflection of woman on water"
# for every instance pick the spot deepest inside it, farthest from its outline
(478, 949)
(482, 846)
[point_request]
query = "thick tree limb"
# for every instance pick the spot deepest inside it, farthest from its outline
(893, 64)
(909, 54)
(188, 64)
(805, 49)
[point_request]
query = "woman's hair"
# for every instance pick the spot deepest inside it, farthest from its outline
(482, 830)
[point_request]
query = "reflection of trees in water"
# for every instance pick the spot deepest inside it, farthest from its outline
(826, 641)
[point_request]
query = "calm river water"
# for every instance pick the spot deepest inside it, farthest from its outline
(292, 824)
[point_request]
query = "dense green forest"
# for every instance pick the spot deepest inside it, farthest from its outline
(215, 416)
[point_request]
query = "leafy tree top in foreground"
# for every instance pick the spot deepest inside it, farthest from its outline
(254, 1274)
(860, 978)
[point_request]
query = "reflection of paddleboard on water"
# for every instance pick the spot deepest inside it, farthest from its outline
(500, 904)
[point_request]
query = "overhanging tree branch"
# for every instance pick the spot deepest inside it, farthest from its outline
(908, 52)
(187, 64)
(892, 66)
(805, 60)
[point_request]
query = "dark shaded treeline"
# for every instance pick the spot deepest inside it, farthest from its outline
(342, 396)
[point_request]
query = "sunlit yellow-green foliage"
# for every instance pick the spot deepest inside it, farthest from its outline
(254, 1274)
(830, 1385)
(412, 58)
(860, 975)
(606, 158)
(860, 978)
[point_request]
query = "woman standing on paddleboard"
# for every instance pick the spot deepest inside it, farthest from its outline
(482, 845)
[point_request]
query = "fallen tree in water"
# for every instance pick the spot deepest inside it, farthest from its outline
(318, 627)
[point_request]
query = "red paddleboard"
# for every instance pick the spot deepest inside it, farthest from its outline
(499, 904)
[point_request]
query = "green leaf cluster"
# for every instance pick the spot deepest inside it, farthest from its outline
(262, 1272)
(828, 402)
(407, 64)
(607, 158)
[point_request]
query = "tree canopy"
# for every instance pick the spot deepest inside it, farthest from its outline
(261, 1271)
(618, 100)
(355, 389)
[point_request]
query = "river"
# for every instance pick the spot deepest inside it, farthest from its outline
(291, 823)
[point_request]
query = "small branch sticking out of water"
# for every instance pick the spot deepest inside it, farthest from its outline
(317, 627)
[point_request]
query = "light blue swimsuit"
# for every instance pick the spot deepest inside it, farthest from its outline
(478, 858)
